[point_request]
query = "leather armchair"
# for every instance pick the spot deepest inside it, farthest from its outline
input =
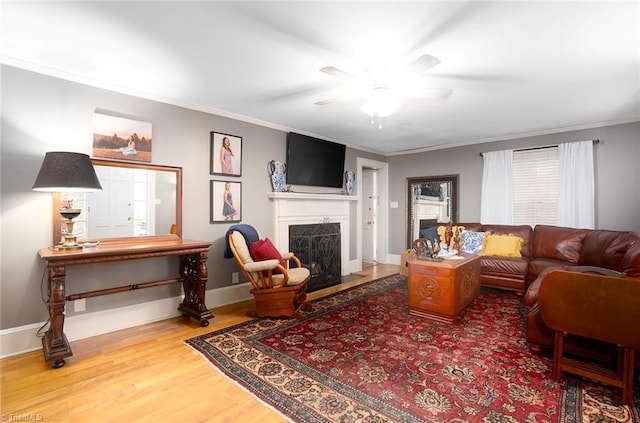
(609, 250)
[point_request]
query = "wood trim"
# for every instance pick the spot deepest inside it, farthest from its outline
(57, 221)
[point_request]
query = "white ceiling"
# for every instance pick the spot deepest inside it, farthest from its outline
(516, 68)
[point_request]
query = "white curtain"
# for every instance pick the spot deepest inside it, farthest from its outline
(496, 203)
(576, 195)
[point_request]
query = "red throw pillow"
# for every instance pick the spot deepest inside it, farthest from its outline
(253, 249)
(268, 251)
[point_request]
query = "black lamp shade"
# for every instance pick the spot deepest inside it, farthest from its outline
(67, 172)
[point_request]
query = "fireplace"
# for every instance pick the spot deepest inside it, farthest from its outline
(318, 248)
(294, 209)
(426, 224)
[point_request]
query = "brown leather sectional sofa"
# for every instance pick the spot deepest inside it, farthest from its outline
(505, 272)
(552, 247)
(615, 250)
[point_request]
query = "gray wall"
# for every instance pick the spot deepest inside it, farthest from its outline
(41, 113)
(617, 159)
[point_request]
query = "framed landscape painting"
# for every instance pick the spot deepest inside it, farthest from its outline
(119, 138)
(226, 154)
(226, 201)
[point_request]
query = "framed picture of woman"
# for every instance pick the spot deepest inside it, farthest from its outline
(226, 202)
(226, 154)
(119, 138)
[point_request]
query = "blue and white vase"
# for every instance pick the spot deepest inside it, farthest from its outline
(277, 171)
(349, 182)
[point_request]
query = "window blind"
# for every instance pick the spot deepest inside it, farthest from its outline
(536, 178)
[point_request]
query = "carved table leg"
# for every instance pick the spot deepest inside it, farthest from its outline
(54, 343)
(193, 268)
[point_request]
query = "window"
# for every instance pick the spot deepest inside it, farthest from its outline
(536, 178)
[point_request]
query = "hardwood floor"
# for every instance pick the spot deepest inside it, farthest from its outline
(142, 374)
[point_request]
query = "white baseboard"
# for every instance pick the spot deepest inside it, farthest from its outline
(354, 266)
(394, 258)
(22, 339)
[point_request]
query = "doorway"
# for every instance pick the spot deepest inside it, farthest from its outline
(371, 212)
(369, 217)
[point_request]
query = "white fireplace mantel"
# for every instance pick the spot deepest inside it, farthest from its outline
(301, 209)
(310, 196)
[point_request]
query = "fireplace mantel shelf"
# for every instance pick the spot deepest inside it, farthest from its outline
(308, 196)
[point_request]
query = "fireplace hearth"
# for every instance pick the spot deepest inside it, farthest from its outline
(318, 246)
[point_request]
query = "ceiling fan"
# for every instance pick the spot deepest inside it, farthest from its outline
(382, 86)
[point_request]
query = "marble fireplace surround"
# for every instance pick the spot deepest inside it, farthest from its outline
(300, 209)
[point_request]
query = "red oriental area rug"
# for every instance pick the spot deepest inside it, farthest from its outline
(360, 357)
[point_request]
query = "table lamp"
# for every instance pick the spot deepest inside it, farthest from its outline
(67, 172)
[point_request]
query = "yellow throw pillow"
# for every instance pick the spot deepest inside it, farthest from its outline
(443, 229)
(502, 245)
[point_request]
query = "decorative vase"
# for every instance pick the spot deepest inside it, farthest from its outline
(349, 182)
(277, 171)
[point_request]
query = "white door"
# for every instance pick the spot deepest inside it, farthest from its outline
(110, 211)
(369, 214)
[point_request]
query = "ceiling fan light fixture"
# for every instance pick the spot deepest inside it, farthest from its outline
(380, 103)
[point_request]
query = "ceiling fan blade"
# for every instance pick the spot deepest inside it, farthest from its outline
(423, 64)
(477, 77)
(330, 101)
(432, 93)
(330, 70)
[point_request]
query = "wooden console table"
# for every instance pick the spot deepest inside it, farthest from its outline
(193, 276)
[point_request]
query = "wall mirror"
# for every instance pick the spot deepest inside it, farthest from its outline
(430, 200)
(138, 201)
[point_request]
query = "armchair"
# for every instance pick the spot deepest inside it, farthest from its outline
(595, 306)
(278, 290)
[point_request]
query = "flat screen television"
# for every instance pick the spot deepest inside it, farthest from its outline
(314, 162)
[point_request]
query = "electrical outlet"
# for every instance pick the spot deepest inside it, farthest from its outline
(80, 305)
(235, 277)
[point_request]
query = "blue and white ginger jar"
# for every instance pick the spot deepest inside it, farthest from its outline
(349, 182)
(277, 171)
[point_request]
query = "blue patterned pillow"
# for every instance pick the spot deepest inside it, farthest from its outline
(472, 242)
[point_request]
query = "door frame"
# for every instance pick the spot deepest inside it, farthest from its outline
(382, 188)
(370, 206)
